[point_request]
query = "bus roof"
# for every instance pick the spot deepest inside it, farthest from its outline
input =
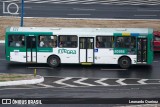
(75, 31)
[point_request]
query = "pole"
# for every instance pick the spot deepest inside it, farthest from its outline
(35, 72)
(22, 12)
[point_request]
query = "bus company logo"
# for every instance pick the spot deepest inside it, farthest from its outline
(6, 101)
(61, 51)
(10, 8)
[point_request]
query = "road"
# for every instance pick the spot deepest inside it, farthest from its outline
(102, 10)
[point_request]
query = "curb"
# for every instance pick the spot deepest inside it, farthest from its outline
(2, 41)
(74, 18)
(38, 79)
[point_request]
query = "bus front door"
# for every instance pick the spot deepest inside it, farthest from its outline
(86, 50)
(31, 50)
(142, 50)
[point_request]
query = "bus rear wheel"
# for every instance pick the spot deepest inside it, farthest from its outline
(53, 61)
(124, 62)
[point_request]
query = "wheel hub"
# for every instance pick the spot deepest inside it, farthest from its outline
(53, 62)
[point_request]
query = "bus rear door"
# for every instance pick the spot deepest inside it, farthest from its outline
(31, 49)
(142, 50)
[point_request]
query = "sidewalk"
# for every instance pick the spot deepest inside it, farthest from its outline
(14, 79)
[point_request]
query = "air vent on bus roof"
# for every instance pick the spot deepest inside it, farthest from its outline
(121, 29)
(55, 28)
(32, 27)
(98, 28)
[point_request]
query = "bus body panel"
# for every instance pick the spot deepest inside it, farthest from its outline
(150, 46)
(105, 56)
(17, 56)
(68, 55)
(82, 56)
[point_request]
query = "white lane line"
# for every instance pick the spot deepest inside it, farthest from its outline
(145, 15)
(82, 83)
(78, 14)
(101, 82)
(142, 81)
(84, 9)
(45, 85)
(155, 61)
(27, 7)
(112, 69)
(40, 68)
(62, 80)
(120, 81)
(148, 10)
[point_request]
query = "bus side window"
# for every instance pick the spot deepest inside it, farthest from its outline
(16, 41)
(67, 41)
(104, 42)
(48, 41)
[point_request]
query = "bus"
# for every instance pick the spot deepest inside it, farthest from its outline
(156, 39)
(86, 46)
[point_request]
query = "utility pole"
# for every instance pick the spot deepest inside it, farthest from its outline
(22, 12)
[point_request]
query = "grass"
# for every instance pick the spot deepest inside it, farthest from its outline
(15, 77)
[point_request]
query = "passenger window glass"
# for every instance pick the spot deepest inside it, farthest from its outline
(47, 41)
(16, 41)
(68, 41)
(104, 42)
(82, 43)
(126, 42)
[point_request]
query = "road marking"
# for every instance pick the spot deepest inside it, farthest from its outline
(155, 61)
(78, 14)
(62, 80)
(147, 10)
(142, 81)
(112, 69)
(27, 7)
(84, 9)
(45, 85)
(101, 82)
(82, 83)
(40, 68)
(145, 15)
(120, 81)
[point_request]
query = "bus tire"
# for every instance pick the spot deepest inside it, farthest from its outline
(124, 62)
(53, 61)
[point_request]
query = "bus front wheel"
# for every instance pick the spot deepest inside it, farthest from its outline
(124, 62)
(53, 61)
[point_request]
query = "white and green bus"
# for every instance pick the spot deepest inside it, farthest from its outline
(123, 46)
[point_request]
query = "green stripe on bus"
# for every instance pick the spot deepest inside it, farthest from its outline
(117, 34)
(44, 49)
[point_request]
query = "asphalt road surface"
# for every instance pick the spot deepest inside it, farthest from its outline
(139, 10)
